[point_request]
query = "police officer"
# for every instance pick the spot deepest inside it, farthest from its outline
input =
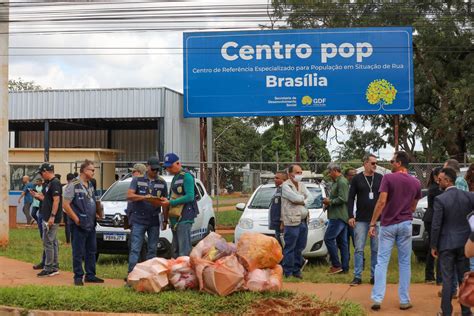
(274, 217)
(145, 193)
(182, 204)
(80, 207)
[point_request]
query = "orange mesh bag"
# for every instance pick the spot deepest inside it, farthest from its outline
(260, 280)
(257, 251)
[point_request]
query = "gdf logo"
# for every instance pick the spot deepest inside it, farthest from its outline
(307, 100)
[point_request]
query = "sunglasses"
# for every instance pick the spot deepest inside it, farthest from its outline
(373, 163)
(393, 161)
(155, 170)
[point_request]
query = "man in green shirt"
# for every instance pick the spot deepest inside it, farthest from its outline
(336, 232)
(182, 206)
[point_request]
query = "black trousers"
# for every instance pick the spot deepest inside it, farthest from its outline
(430, 260)
(452, 260)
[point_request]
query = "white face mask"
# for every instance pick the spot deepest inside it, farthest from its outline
(298, 177)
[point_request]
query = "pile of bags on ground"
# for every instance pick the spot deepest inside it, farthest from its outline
(216, 266)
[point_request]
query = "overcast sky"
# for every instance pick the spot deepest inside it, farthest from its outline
(153, 68)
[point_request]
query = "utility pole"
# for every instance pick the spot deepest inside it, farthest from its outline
(396, 125)
(298, 138)
(203, 151)
(4, 170)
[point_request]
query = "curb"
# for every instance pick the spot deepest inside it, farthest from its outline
(18, 311)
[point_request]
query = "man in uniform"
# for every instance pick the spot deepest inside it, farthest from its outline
(182, 204)
(80, 207)
(145, 193)
(274, 217)
(138, 170)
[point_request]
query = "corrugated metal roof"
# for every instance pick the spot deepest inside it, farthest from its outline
(91, 103)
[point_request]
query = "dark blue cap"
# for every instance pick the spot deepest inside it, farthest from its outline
(170, 159)
(45, 167)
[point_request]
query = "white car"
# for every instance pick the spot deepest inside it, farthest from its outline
(112, 238)
(255, 217)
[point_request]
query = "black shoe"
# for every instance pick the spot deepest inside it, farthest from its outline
(298, 276)
(45, 273)
(38, 266)
(78, 282)
(93, 280)
(356, 282)
(375, 306)
(372, 280)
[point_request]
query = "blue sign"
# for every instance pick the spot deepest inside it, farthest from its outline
(299, 72)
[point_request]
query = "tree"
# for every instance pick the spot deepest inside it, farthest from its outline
(20, 85)
(361, 143)
(443, 64)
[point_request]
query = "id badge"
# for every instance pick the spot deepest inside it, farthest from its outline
(371, 195)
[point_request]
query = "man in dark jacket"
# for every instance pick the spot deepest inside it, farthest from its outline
(274, 216)
(449, 232)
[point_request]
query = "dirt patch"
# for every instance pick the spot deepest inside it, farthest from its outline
(296, 305)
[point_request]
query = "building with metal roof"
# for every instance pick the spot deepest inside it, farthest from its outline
(139, 122)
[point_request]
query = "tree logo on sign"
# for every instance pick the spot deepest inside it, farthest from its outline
(307, 100)
(381, 92)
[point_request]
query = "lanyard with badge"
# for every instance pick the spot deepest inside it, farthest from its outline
(371, 194)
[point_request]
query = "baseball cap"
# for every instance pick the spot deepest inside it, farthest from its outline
(139, 167)
(45, 167)
(153, 162)
(170, 159)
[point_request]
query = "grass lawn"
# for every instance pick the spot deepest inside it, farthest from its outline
(25, 245)
(228, 218)
(104, 299)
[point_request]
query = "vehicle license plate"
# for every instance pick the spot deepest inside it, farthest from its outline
(115, 237)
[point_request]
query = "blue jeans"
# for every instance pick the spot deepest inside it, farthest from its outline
(399, 235)
(361, 230)
(182, 240)
(137, 238)
(336, 237)
(295, 241)
(84, 246)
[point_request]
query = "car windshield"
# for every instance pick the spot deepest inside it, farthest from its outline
(118, 192)
(263, 197)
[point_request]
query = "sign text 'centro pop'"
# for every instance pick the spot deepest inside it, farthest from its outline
(298, 72)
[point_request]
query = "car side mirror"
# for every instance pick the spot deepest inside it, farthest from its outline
(240, 207)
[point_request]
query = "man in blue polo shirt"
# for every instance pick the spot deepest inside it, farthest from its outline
(145, 193)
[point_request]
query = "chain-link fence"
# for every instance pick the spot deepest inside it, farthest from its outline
(218, 177)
